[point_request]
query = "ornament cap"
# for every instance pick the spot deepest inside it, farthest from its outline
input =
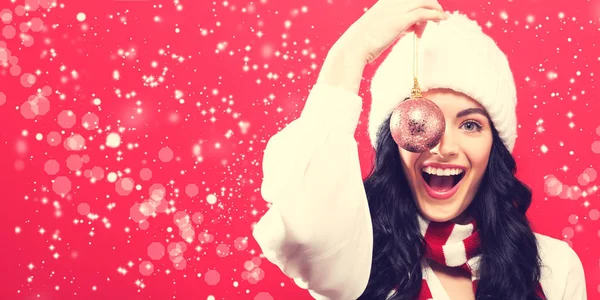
(416, 90)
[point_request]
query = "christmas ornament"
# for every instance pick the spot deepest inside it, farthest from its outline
(417, 124)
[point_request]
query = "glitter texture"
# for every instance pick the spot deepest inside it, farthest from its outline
(417, 124)
(132, 135)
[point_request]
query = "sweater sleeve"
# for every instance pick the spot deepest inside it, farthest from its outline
(575, 288)
(318, 227)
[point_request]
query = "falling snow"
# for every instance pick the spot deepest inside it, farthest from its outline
(132, 133)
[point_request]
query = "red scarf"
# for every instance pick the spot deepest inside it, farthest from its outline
(452, 245)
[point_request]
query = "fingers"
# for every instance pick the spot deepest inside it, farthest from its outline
(422, 11)
(422, 15)
(429, 4)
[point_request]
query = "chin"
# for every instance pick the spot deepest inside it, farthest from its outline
(439, 214)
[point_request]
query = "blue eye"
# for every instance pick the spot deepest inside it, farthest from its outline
(472, 125)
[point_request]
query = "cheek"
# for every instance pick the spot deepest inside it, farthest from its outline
(478, 154)
(478, 160)
(408, 162)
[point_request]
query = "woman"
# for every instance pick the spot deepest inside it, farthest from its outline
(448, 223)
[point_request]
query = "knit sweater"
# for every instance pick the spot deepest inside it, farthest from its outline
(318, 228)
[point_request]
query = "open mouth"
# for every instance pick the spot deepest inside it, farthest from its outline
(442, 183)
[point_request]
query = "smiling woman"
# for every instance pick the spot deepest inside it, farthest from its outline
(444, 180)
(447, 223)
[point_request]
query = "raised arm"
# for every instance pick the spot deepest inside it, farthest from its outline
(318, 228)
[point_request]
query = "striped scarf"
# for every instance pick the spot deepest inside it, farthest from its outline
(452, 245)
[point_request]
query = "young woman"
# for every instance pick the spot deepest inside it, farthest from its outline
(448, 223)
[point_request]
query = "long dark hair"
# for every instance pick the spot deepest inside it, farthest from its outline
(510, 264)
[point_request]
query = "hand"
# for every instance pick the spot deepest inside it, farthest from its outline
(387, 21)
(371, 35)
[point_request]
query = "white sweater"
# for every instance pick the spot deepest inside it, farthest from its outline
(318, 229)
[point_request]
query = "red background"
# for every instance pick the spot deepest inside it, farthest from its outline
(220, 58)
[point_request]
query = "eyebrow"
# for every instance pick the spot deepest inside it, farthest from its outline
(472, 110)
(468, 111)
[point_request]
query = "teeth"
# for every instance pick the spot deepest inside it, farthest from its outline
(442, 172)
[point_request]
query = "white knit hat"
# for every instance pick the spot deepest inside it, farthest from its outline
(454, 54)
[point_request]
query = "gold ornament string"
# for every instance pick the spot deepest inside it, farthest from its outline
(416, 90)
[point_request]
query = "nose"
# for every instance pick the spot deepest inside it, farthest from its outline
(447, 146)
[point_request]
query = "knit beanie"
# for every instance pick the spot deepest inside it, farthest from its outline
(454, 54)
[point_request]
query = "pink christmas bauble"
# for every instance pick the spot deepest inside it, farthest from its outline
(417, 125)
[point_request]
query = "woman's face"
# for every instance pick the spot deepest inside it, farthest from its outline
(464, 150)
